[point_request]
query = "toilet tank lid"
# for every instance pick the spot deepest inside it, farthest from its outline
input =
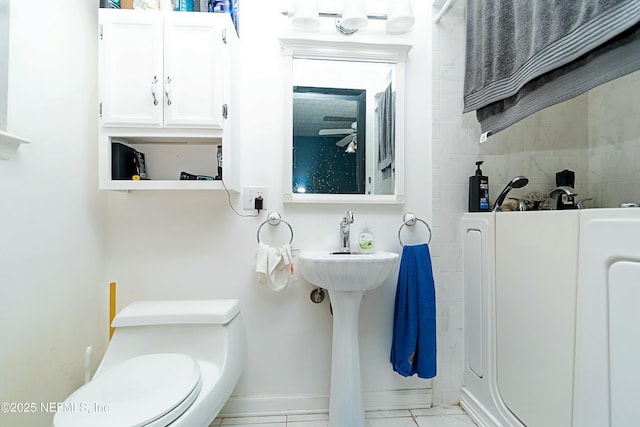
(144, 313)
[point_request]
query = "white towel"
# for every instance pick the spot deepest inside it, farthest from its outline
(274, 266)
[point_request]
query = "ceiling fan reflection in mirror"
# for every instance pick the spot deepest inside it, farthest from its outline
(350, 133)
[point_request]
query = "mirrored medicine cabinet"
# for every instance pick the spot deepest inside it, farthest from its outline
(344, 122)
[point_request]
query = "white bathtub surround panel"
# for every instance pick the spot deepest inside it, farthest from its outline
(478, 271)
(565, 302)
(536, 279)
(484, 413)
(607, 350)
(624, 350)
(480, 396)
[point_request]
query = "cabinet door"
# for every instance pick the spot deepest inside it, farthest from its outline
(193, 71)
(131, 68)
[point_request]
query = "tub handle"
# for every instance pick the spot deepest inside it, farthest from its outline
(580, 204)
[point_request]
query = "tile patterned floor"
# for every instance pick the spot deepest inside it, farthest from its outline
(452, 416)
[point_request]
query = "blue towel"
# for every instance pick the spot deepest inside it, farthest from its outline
(413, 349)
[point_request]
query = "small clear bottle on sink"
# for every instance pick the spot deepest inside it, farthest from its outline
(365, 240)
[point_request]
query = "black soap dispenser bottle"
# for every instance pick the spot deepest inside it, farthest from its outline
(478, 191)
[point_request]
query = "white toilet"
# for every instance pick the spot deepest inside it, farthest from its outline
(168, 362)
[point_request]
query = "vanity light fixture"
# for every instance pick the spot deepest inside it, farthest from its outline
(400, 16)
(305, 16)
(354, 14)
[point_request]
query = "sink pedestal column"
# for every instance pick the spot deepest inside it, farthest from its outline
(345, 397)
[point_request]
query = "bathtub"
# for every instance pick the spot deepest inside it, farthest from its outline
(551, 308)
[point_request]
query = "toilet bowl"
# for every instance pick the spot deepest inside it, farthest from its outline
(168, 362)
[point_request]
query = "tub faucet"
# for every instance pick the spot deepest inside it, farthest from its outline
(345, 231)
(569, 191)
(566, 198)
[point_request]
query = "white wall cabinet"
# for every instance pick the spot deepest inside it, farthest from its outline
(161, 69)
(164, 88)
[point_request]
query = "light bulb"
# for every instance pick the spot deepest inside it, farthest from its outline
(354, 14)
(305, 14)
(400, 17)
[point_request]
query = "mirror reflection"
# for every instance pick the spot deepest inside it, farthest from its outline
(343, 127)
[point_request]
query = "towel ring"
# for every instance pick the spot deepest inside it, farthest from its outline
(274, 219)
(410, 219)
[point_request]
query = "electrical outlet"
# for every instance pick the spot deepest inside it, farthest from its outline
(249, 195)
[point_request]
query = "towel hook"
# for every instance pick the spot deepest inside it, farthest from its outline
(410, 219)
(274, 218)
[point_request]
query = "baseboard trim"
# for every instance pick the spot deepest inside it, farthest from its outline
(309, 404)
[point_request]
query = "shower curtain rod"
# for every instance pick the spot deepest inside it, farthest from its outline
(445, 8)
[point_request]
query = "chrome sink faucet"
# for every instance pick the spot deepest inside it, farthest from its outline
(345, 231)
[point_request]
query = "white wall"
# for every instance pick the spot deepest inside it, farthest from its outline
(52, 217)
(4, 56)
(191, 245)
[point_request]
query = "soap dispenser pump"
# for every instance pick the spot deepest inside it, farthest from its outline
(478, 191)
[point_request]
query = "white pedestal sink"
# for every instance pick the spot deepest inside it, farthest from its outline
(347, 277)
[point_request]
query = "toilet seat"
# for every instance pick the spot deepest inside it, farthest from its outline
(150, 390)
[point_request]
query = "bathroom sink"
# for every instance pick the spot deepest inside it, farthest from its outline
(347, 276)
(347, 272)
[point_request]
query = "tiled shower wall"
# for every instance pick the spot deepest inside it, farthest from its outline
(597, 135)
(614, 142)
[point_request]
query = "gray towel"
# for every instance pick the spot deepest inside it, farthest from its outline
(386, 130)
(525, 55)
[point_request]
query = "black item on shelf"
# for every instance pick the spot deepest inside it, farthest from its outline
(566, 178)
(219, 156)
(140, 165)
(126, 162)
(186, 176)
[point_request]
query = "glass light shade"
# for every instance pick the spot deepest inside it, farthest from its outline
(351, 148)
(400, 17)
(305, 14)
(354, 14)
